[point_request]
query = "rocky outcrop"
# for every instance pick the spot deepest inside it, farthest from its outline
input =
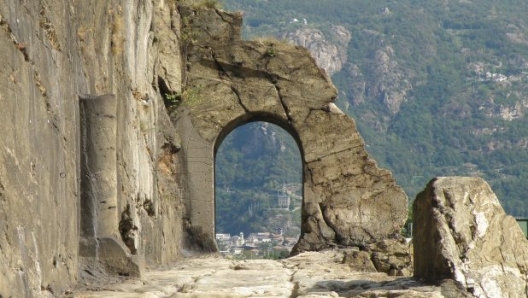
(347, 199)
(462, 233)
(390, 256)
(330, 56)
(390, 86)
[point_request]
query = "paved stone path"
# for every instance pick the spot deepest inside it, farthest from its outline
(308, 275)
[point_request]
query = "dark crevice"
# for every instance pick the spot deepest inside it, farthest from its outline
(309, 169)
(196, 239)
(336, 152)
(127, 229)
(295, 290)
(221, 16)
(322, 208)
(284, 106)
(89, 272)
(310, 110)
(148, 206)
(169, 147)
(221, 67)
(372, 237)
(2, 189)
(235, 91)
(170, 97)
(247, 71)
(20, 46)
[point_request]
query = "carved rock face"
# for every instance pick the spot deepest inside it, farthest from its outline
(462, 233)
(348, 200)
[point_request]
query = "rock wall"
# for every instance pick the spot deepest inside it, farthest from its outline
(53, 53)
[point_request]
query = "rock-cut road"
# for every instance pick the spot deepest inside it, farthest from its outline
(308, 275)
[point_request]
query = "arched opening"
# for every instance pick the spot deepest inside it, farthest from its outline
(258, 191)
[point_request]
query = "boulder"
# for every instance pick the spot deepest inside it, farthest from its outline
(462, 233)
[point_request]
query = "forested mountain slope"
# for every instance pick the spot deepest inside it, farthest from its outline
(437, 87)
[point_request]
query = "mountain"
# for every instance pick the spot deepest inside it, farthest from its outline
(437, 87)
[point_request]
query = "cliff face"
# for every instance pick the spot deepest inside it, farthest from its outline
(53, 51)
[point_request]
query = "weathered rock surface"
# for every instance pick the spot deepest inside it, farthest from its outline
(310, 274)
(348, 200)
(462, 233)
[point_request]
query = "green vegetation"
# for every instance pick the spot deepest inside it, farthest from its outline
(172, 99)
(192, 96)
(271, 52)
(467, 67)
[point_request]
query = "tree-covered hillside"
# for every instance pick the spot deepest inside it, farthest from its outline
(253, 164)
(436, 87)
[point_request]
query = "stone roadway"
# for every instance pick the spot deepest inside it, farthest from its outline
(307, 275)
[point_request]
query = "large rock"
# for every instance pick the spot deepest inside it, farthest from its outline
(462, 233)
(347, 199)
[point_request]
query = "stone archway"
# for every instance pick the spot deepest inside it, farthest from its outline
(348, 200)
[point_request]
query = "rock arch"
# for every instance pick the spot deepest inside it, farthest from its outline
(348, 200)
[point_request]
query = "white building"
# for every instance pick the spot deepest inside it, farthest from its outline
(223, 237)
